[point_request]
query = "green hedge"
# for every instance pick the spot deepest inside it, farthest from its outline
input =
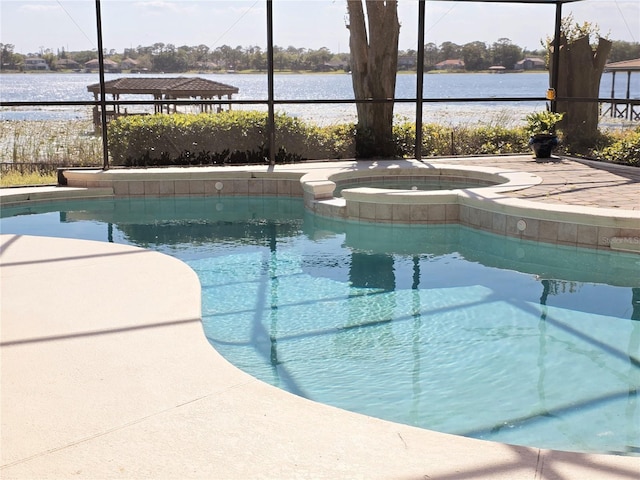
(440, 140)
(223, 138)
(240, 137)
(623, 149)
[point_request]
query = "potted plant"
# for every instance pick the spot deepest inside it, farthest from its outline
(542, 128)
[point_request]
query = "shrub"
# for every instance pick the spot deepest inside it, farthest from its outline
(222, 138)
(439, 140)
(498, 140)
(240, 137)
(625, 149)
(404, 136)
(436, 140)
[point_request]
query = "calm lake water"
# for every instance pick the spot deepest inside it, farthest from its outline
(73, 87)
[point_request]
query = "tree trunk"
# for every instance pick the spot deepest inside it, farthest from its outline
(374, 63)
(579, 77)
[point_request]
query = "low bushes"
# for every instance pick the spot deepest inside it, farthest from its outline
(240, 137)
(623, 149)
(236, 137)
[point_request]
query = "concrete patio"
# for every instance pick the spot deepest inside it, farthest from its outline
(102, 378)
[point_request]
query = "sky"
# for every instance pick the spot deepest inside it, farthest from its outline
(33, 26)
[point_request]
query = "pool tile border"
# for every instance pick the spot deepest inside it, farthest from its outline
(488, 208)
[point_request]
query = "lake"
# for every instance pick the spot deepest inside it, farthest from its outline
(73, 87)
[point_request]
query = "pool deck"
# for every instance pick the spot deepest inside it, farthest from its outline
(106, 373)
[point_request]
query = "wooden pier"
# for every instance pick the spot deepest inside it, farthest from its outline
(624, 108)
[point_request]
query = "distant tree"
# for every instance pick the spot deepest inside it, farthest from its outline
(229, 58)
(170, 61)
(144, 62)
(317, 58)
(237, 57)
(279, 58)
(83, 56)
(294, 58)
(187, 52)
(157, 48)
(431, 55)
(344, 59)
(505, 53)
(257, 58)
(373, 43)
(221, 55)
(621, 50)
(130, 53)
(8, 59)
(144, 50)
(197, 56)
(476, 56)
(449, 51)
(49, 57)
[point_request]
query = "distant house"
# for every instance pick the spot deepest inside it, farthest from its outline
(109, 65)
(531, 63)
(129, 64)
(406, 62)
(66, 64)
(35, 63)
(333, 65)
(451, 64)
(208, 66)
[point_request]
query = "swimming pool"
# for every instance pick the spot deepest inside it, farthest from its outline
(437, 326)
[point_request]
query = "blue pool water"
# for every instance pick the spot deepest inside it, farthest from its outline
(441, 327)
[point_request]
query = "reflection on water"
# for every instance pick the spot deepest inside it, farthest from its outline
(442, 327)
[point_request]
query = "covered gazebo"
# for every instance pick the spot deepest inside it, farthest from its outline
(163, 89)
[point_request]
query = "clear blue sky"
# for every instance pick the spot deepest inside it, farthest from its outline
(31, 25)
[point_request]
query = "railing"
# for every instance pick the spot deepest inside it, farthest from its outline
(627, 109)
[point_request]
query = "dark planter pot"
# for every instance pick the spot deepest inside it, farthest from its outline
(543, 144)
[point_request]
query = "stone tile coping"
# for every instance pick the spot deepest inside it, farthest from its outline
(106, 373)
(12, 196)
(319, 182)
(615, 228)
